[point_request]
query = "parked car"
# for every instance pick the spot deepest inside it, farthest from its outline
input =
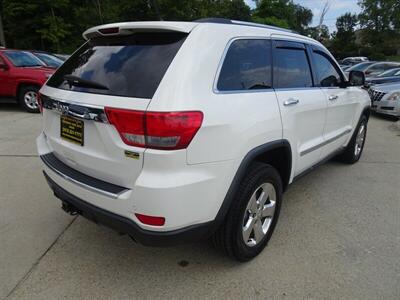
(386, 99)
(63, 57)
(359, 67)
(374, 69)
(49, 60)
(21, 76)
(351, 61)
(144, 133)
(392, 75)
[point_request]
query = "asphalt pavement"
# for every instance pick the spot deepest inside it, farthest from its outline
(338, 236)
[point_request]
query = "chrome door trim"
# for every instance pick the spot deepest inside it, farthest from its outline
(324, 143)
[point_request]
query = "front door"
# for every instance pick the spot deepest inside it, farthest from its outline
(5, 84)
(342, 102)
(303, 106)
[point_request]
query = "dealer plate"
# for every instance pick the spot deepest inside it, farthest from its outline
(72, 130)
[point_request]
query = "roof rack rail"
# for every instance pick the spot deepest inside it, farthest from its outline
(244, 23)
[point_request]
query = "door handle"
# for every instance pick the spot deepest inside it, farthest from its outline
(291, 101)
(333, 97)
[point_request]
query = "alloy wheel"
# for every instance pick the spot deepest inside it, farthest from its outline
(259, 213)
(31, 99)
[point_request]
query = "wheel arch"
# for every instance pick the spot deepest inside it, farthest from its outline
(276, 153)
(23, 84)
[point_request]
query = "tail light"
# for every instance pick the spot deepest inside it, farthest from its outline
(151, 220)
(155, 130)
(40, 103)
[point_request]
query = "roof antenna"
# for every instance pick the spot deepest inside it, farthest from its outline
(154, 4)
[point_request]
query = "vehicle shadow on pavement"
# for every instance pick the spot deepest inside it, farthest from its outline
(10, 107)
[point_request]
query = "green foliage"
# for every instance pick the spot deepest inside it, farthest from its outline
(344, 40)
(283, 13)
(57, 25)
(380, 23)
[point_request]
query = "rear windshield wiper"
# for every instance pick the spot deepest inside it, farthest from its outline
(77, 81)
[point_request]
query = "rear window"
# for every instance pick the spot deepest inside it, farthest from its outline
(128, 66)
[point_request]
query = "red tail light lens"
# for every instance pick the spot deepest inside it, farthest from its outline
(130, 125)
(156, 130)
(151, 220)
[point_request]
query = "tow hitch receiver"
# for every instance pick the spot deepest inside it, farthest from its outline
(69, 209)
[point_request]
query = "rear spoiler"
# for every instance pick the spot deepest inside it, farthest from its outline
(132, 27)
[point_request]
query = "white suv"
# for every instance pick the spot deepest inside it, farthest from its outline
(176, 131)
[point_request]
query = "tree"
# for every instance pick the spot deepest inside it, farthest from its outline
(380, 24)
(283, 13)
(344, 39)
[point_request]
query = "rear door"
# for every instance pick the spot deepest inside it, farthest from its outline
(303, 106)
(342, 101)
(121, 72)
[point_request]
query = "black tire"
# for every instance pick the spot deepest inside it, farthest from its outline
(230, 237)
(350, 155)
(29, 89)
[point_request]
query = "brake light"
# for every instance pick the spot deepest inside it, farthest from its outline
(155, 130)
(151, 220)
(111, 30)
(40, 103)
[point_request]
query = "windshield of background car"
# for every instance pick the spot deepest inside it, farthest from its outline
(392, 72)
(360, 66)
(23, 59)
(129, 66)
(49, 60)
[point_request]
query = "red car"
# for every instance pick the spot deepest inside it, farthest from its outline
(21, 76)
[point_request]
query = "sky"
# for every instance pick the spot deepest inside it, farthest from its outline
(337, 8)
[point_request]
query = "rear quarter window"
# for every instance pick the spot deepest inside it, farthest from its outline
(247, 66)
(130, 66)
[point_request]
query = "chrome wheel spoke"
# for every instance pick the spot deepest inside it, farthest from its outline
(258, 231)
(268, 210)
(248, 228)
(252, 205)
(262, 198)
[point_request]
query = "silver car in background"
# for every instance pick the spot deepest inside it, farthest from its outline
(385, 99)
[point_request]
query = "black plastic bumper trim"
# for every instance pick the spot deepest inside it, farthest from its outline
(126, 226)
(85, 181)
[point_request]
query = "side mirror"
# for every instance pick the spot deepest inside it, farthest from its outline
(3, 67)
(356, 78)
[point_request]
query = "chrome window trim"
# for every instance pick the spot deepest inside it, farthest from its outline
(324, 143)
(221, 62)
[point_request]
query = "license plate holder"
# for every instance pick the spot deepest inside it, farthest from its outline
(72, 130)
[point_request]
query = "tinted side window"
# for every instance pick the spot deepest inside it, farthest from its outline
(327, 74)
(247, 66)
(291, 68)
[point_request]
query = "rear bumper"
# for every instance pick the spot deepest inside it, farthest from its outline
(126, 226)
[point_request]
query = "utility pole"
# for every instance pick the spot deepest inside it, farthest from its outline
(2, 39)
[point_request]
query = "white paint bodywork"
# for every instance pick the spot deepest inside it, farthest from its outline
(188, 186)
